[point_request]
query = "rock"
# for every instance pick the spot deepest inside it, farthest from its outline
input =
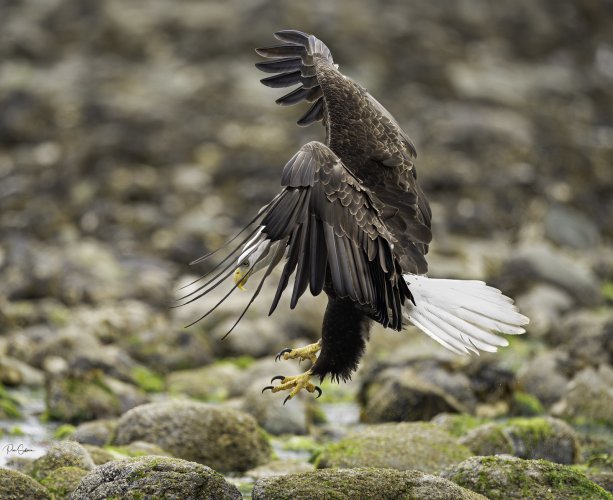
(16, 485)
(62, 454)
(14, 372)
(569, 227)
(587, 337)
(99, 455)
(210, 383)
(271, 414)
(154, 477)
(223, 438)
(548, 265)
(97, 432)
(533, 438)
(141, 448)
(455, 424)
(63, 481)
(588, 396)
(544, 305)
(88, 396)
(505, 477)
(386, 445)
(603, 478)
(544, 377)
(403, 394)
(279, 468)
(384, 484)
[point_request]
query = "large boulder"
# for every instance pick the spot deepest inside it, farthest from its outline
(347, 484)
(505, 477)
(15, 485)
(222, 438)
(63, 481)
(404, 394)
(97, 432)
(62, 454)
(154, 477)
(588, 396)
(72, 397)
(547, 438)
(404, 446)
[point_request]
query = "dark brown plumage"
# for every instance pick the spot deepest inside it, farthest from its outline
(350, 220)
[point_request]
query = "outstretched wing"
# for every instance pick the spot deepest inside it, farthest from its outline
(334, 230)
(367, 137)
(325, 225)
(294, 61)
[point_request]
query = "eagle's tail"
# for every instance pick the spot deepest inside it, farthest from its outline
(462, 315)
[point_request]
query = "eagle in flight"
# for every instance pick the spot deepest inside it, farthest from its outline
(352, 221)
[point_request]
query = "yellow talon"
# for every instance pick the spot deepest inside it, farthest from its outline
(295, 383)
(302, 353)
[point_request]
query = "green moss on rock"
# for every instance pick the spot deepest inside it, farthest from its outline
(62, 454)
(9, 406)
(63, 481)
(16, 485)
(457, 424)
(505, 477)
(224, 438)
(349, 484)
(154, 477)
(532, 438)
(147, 380)
(403, 446)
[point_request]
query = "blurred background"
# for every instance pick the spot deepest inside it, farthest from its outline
(135, 137)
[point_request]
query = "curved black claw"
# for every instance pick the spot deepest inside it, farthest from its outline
(319, 391)
(268, 387)
(281, 353)
(276, 377)
(287, 399)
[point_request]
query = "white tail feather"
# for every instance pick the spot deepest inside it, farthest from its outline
(462, 315)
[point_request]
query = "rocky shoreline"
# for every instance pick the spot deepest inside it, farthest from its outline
(136, 137)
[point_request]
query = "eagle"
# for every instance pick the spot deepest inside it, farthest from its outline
(352, 221)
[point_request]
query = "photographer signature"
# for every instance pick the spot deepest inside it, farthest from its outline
(20, 449)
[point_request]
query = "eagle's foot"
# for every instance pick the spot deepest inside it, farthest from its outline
(295, 384)
(302, 353)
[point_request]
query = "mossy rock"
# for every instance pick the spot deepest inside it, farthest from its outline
(532, 438)
(457, 424)
(97, 432)
(349, 484)
(16, 485)
(403, 446)
(154, 477)
(73, 399)
(9, 406)
(223, 438)
(210, 383)
(63, 481)
(505, 477)
(99, 455)
(62, 454)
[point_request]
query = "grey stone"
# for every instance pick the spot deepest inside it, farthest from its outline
(154, 477)
(223, 438)
(404, 394)
(62, 454)
(567, 226)
(97, 432)
(588, 396)
(16, 485)
(533, 438)
(387, 445)
(347, 484)
(505, 477)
